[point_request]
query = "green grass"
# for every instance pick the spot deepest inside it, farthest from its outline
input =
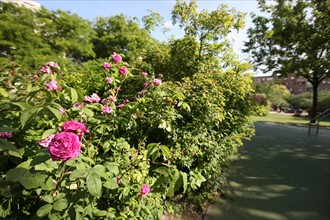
(286, 118)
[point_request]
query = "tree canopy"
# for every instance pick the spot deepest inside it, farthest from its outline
(292, 40)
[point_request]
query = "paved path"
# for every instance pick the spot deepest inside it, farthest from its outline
(281, 174)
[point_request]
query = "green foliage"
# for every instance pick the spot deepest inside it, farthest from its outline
(176, 137)
(304, 100)
(292, 40)
(205, 44)
(276, 94)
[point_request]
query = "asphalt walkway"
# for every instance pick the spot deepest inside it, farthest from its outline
(281, 174)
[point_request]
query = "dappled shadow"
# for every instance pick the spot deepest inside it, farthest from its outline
(282, 173)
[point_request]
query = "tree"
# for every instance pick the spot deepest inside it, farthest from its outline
(19, 38)
(68, 34)
(205, 45)
(276, 94)
(293, 40)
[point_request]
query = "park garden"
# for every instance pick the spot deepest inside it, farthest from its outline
(101, 121)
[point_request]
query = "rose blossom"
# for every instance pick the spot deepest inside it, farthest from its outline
(104, 101)
(62, 110)
(146, 84)
(116, 58)
(53, 64)
(106, 110)
(145, 189)
(46, 69)
(74, 126)
(122, 70)
(53, 85)
(64, 146)
(78, 105)
(106, 65)
(93, 98)
(46, 141)
(108, 80)
(7, 134)
(143, 92)
(112, 98)
(157, 82)
(144, 74)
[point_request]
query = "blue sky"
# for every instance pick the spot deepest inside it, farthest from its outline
(139, 8)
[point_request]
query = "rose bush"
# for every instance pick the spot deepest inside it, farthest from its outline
(121, 150)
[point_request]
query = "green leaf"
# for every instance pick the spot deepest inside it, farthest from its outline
(165, 151)
(6, 145)
(101, 213)
(113, 168)
(94, 184)
(48, 198)
(184, 181)
(88, 112)
(77, 174)
(111, 183)
(22, 105)
(100, 170)
(7, 129)
(74, 95)
(56, 112)
(44, 210)
(158, 182)
(28, 113)
(60, 205)
(48, 132)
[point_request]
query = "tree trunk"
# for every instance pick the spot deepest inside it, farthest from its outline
(315, 84)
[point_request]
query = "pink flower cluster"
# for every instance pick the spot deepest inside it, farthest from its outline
(106, 110)
(122, 70)
(125, 102)
(53, 85)
(106, 66)
(145, 190)
(48, 67)
(108, 80)
(93, 98)
(116, 57)
(7, 134)
(66, 144)
(157, 82)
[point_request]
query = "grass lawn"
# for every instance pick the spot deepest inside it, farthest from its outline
(288, 118)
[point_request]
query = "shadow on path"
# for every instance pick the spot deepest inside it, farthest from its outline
(282, 173)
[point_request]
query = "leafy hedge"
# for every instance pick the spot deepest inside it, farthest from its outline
(121, 151)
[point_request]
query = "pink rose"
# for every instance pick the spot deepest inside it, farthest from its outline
(74, 126)
(143, 92)
(144, 74)
(106, 110)
(108, 80)
(116, 58)
(157, 82)
(78, 105)
(64, 146)
(93, 98)
(53, 64)
(146, 84)
(46, 69)
(62, 110)
(53, 85)
(112, 98)
(145, 189)
(106, 66)
(7, 134)
(46, 141)
(123, 70)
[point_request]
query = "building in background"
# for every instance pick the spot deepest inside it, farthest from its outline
(296, 85)
(26, 3)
